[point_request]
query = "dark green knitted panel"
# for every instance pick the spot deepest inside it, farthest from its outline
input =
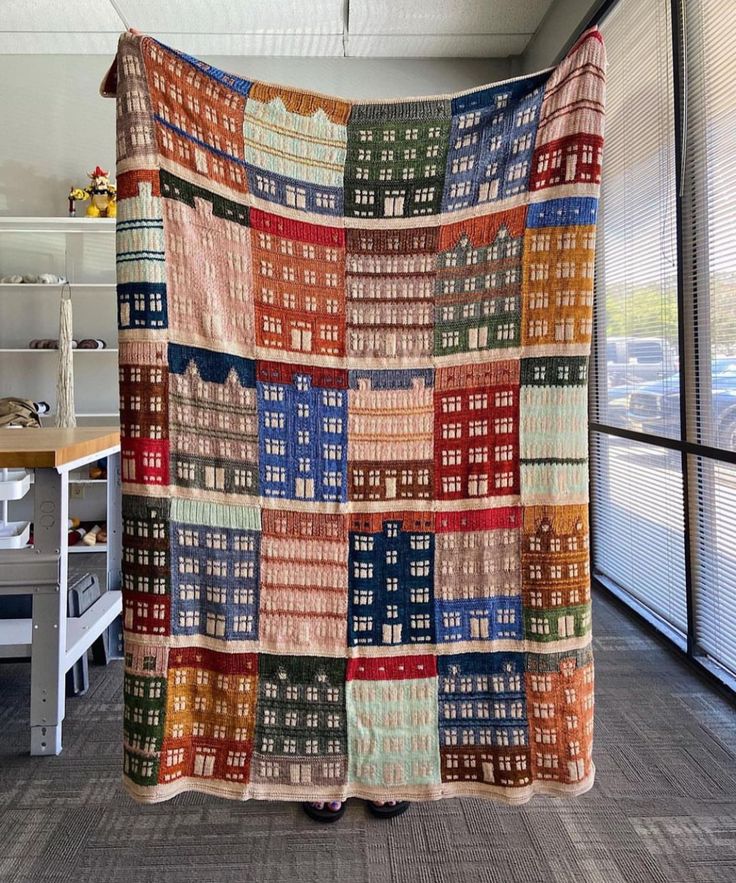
(396, 157)
(555, 371)
(176, 188)
(308, 690)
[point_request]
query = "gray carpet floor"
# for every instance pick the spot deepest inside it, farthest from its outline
(663, 808)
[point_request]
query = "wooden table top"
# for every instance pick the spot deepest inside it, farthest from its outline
(48, 447)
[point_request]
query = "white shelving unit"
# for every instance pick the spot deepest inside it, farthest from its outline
(30, 349)
(78, 224)
(98, 547)
(83, 250)
(51, 286)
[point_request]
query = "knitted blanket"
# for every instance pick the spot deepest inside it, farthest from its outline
(353, 356)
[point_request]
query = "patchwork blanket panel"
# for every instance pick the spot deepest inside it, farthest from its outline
(354, 341)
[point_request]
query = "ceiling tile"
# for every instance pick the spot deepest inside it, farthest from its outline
(377, 28)
(312, 45)
(254, 44)
(477, 17)
(428, 46)
(227, 17)
(59, 43)
(58, 16)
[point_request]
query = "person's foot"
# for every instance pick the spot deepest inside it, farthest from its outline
(388, 809)
(325, 811)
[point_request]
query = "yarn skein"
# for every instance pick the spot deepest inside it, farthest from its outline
(65, 415)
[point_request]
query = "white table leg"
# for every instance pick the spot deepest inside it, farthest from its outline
(48, 668)
(114, 523)
(114, 550)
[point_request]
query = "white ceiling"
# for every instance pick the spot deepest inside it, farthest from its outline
(369, 28)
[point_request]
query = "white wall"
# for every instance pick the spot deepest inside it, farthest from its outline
(56, 127)
(555, 33)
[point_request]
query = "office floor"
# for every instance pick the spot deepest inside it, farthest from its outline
(663, 807)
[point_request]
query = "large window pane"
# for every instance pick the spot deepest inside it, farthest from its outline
(714, 561)
(640, 523)
(710, 179)
(637, 489)
(636, 354)
(637, 523)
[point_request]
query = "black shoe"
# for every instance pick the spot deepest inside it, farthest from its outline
(324, 815)
(388, 812)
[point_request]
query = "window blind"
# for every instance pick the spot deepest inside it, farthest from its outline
(709, 265)
(637, 488)
(636, 361)
(637, 518)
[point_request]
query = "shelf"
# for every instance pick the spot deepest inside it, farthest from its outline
(111, 418)
(28, 349)
(73, 550)
(81, 480)
(55, 285)
(87, 414)
(16, 635)
(61, 245)
(80, 547)
(15, 638)
(57, 225)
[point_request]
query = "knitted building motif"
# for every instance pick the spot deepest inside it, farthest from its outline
(491, 142)
(391, 579)
(198, 120)
(479, 283)
(301, 735)
(396, 158)
(304, 583)
(558, 271)
(390, 277)
(478, 579)
(146, 566)
(140, 252)
(303, 432)
(300, 302)
(354, 342)
(392, 723)
(298, 143)
(553, 438)
(144, 689)
(484, 731)
(555, 572)
(215, 228)
(215, 565)
(390, 410)
(213, 421)
(569, 142)
(210, 714)
(476, 430)
(559, 688)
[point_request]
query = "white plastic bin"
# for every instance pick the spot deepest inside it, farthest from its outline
(14, 483)
(14, 534)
